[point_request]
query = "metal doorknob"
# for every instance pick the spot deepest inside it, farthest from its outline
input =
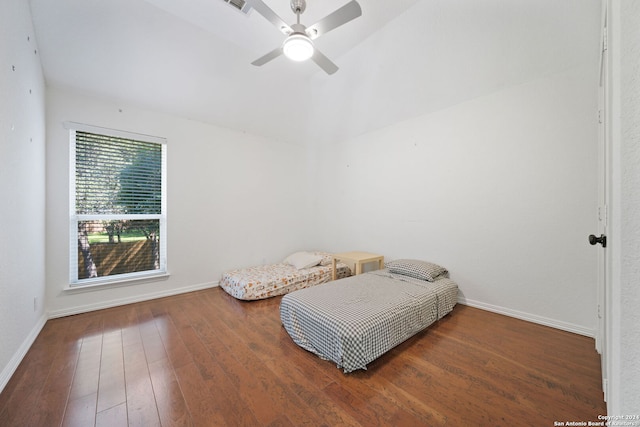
(602, 240)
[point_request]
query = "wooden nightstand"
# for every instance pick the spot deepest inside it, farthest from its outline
(358, 259)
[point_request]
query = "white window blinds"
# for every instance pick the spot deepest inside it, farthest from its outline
(118, 221)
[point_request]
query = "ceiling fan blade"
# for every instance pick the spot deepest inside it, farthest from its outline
(324, 62)
(268, 57)
(270, 15)
(335, 19)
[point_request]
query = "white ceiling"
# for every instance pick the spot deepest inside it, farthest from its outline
(192, 58)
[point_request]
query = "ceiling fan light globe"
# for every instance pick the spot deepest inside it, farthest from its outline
(298, 47)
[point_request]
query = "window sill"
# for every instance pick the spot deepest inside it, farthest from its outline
(106, 283)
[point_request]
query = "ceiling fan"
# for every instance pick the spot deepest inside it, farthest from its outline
(298, 45)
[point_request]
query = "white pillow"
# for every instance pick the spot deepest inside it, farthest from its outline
(422, 270)
(327, 258)
(302, 260)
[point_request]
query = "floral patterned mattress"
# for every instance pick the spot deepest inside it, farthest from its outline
(265, 281)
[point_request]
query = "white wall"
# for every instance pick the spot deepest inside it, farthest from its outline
(22, 214)
(234, 199)
(441, 53)
(501, 190)
(625, 393)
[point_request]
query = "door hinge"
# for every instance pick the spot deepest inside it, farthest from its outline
(603, 214)
(600, 116)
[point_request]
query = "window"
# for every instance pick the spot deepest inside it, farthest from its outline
(117, 205)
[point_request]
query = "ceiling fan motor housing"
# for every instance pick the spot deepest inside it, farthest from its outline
(298, 29)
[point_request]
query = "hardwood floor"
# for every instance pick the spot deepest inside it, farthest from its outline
(206, 359)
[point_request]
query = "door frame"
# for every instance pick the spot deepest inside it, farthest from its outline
(605, 331)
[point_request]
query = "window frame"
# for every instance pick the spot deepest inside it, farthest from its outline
(74, 218)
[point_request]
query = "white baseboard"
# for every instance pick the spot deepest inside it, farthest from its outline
(553, 323)
(129, 300)
(11, 367)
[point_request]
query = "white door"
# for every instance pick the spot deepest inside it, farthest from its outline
(599, 239)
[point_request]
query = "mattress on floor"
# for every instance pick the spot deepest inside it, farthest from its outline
(355, 320)
(265, 281)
